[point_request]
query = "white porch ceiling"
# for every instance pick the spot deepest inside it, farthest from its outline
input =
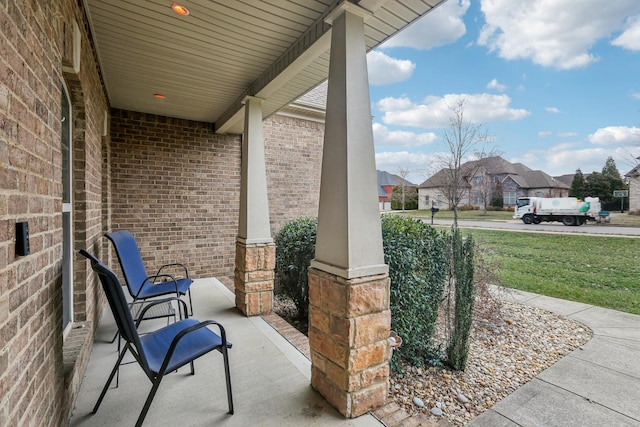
(207, 62)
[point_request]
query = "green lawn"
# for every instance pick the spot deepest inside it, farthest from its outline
(474, 215)
(617, 219)
(603, 271)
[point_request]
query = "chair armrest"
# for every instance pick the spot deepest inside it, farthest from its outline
(175, 264)
(174, 343)
(151, 281)
(161, 301)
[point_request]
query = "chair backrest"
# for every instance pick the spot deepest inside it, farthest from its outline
(130, 259)
(119, 306)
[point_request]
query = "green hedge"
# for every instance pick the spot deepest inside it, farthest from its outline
(418, 265)
(417, 257)
(295, 248)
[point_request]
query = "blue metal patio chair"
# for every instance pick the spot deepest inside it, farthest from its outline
(141, 285)
(164, 350)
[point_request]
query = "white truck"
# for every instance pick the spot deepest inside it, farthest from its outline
(568, 210)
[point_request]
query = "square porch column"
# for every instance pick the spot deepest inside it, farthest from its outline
(349, 317)
(255, 250)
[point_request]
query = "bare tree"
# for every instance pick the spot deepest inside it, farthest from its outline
(485, 188)
(403, 172)
(465, 140)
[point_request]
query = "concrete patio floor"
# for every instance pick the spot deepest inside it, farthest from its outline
(270, 378)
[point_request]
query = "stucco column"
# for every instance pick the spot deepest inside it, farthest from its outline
(349, 317)
(255, 251)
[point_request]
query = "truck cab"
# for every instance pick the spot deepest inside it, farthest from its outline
(525, 208)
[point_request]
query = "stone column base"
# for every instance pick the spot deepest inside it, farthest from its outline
(349, 323)
(253, 278)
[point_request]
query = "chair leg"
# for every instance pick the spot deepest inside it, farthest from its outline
(147, 404)
(190, 302)
(113, 373)
(227, 376)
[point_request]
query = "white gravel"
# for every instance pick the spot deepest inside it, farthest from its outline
(502, 357)
(504, 354)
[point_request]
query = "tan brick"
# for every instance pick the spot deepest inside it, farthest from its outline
(253, 304)
(336, 397)
(318, 319)
(364, 357)
(337, 375)
(367, 399)
(315, 288)
(251, 287)
(373, 375)
(371, 328)
(260, 276)
(328, 348)
(270, 257)
(369, 297)
(334, 298)
(266, 302)
(341, 330)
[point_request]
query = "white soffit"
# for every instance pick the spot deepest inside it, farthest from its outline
(207, 62)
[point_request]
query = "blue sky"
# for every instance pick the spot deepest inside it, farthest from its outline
(556, 83)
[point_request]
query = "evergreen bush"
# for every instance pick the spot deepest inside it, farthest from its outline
(417, 257)
(462, 278)
(295, 248)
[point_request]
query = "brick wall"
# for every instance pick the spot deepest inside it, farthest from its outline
(176, 187)
(293, 152)
(35, 43)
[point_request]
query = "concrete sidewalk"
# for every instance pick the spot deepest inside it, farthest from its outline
(596, 385)
(270, 379)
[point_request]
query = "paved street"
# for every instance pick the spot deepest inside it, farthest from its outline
(547, 227)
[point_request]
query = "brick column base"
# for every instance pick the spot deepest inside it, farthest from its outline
(349, 323)
(253, 278)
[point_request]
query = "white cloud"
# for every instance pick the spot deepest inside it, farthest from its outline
(435, 111)
(438, 28)
(493, 84)
(384, 70)
(418, 164)
(552, 110)
(567, 157)
(400, 138)
(558, 33)
(567, 134)
(635, 95)
(616, 135)
(544, 134)
(630, 37)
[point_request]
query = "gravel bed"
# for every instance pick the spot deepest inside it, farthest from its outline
(504, 355)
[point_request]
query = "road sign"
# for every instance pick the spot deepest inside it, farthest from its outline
(620, 193)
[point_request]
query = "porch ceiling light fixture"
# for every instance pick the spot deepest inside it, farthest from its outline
(159, 95)
(179, 9)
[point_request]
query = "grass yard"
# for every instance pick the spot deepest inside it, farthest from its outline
(603, 271)
(617, 219)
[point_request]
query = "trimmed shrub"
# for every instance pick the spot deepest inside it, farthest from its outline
(295, 248)
(417, 257)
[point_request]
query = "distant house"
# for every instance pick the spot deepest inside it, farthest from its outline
(486, 179)
(566, 179)
(634, 187)
(386, 182)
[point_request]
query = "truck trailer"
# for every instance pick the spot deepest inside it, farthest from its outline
(568, 210)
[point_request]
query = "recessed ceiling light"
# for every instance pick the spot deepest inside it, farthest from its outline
(159, 95)
(179, 9)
